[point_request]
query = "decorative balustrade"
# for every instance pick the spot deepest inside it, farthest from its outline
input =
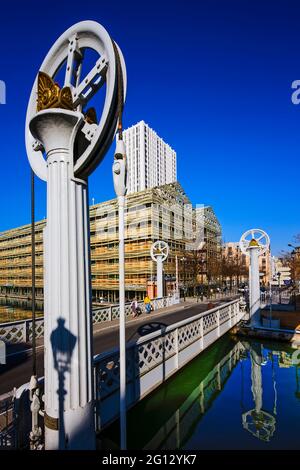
(21, 331)
(284, 297)
(150, 361)
(155, 357)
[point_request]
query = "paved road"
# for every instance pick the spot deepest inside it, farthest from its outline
(17, 371)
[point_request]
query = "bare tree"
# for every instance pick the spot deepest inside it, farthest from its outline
(233, 268)
(297, 238)
(292, 260)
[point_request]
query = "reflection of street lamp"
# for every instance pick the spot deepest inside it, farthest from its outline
(184, 273)
(73, 144)
(260, 423)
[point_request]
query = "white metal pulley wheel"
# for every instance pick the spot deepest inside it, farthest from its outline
(261, 237)
(159, 249)
(66, 58)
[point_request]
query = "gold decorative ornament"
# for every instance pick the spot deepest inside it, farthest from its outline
(253, 242)
(51, 96)
(51, 423)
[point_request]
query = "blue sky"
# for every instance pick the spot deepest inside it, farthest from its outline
(212, 77)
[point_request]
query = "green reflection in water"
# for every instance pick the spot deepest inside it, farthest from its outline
(236, 395)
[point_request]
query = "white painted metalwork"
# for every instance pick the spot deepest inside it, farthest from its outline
(73, 148)
(119, 170)
(254, 243)
(35, 407)
(260, 236)
(7, 422)
(21, 331)
(177, 276)
(150, 361)
(198, 402)
(254, 285)
(159, 253)
(68, 50)
(154, 358)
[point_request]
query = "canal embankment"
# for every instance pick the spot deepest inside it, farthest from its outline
(278, 322)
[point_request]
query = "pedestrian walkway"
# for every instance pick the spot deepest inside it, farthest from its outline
(19, 361)
(189, 302)
(141, 318)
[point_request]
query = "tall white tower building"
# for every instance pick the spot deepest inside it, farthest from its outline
(151, 162)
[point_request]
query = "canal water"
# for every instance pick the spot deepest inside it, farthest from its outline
(16, 309)
(236, 395)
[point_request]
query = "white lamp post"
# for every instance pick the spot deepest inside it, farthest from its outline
(159, 253)
(65, 142)
(177, 279)
(120, 176)
(254, 243)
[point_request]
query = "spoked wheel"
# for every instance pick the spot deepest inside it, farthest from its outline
(69, 62)
(159, 249)
(258, 235)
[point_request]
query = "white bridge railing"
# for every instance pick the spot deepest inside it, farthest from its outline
(21, 331)
(150, 361)
(284, 297)
(155, 357)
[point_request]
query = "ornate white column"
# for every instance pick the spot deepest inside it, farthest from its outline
(159, 253)
(159, 276)
(254, 285)
(69, 410)
(254, 243)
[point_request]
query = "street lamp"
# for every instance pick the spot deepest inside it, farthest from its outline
(119, 170)
(184, 278)
(202, 261)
